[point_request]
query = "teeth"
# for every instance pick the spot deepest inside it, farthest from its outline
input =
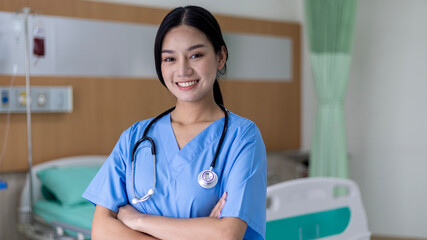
(187, 84)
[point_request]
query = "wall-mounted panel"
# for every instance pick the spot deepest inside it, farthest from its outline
(81, 47)
(254, 57)
(46, 99)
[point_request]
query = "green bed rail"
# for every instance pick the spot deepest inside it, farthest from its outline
(309, 226)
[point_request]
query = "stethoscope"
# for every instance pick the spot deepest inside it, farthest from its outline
(207, 178)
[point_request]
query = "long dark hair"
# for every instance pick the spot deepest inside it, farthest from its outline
(205, 22)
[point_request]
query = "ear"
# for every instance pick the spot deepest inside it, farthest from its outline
(222, 57)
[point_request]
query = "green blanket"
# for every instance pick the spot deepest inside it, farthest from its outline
(79, 215)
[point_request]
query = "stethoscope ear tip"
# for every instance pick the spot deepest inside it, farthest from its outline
(134, 201)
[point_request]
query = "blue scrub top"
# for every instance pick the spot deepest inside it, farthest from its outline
(240, 166)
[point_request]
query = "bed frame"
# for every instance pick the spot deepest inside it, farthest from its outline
(34, 227)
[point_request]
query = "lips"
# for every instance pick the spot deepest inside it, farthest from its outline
(187, 83)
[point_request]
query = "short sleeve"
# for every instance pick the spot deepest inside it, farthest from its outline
(108, 187)
(246, 184)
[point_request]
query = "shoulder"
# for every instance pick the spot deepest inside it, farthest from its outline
(138, 126)
(243, 127)
(245, 141)
(135, 130)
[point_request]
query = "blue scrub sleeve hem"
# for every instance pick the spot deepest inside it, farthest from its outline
(97, 201)
(252, 224)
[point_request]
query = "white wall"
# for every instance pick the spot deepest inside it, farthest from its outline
(386, 103)
(387, 114)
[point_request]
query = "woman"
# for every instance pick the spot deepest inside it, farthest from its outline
(189, 195)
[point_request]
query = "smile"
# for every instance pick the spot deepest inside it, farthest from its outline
(187, 84)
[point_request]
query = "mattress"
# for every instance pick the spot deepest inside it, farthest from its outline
(79, 216)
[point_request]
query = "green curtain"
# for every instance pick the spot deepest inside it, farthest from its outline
(330, 25)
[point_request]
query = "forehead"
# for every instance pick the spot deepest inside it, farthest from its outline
(184, 36)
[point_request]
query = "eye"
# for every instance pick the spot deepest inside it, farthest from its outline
(197, 55)
(168, 59)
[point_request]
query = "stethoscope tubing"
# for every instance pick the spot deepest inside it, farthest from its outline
(144, 137)
(224, 131)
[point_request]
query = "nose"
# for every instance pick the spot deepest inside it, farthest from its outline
(184, 68)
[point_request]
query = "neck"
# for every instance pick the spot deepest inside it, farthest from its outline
(188, 112)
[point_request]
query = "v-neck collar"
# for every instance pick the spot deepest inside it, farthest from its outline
(177, 157)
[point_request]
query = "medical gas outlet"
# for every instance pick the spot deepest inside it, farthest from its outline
(4, 98)
(44, 99)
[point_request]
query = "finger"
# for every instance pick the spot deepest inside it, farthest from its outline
(214, 212)
(224, 195)
(215, 209)
(222, 203)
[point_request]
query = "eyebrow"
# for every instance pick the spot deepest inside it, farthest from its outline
(189, 49)
(196, 46)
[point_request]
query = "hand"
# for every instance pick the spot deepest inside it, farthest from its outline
(129, 216)
(216, 211)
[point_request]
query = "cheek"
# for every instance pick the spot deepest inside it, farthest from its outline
(162, 68)
(165, 73)
(166, 77)
(209, 68)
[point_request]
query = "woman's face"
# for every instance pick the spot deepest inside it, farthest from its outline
(189, 64)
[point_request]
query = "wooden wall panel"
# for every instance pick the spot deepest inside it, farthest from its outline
(147, 15)
(273, 106)
(104, 107)
(88, 10)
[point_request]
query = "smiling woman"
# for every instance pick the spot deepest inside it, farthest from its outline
(183, 198)
(189, 62)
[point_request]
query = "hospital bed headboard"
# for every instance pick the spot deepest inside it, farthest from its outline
(104, 106)
(316, 208)
(80, 161)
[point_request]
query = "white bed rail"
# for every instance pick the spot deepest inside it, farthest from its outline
(40, 230)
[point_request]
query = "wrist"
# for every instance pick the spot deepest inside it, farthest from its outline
(140, 223)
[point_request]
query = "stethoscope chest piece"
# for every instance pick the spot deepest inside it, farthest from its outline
(207, 179)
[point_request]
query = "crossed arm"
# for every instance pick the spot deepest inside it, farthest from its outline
(129, 223)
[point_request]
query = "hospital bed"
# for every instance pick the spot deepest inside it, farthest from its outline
(316, 208)
(59, 211)
(301, 209)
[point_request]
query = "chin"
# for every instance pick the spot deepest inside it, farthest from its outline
(189, 100)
